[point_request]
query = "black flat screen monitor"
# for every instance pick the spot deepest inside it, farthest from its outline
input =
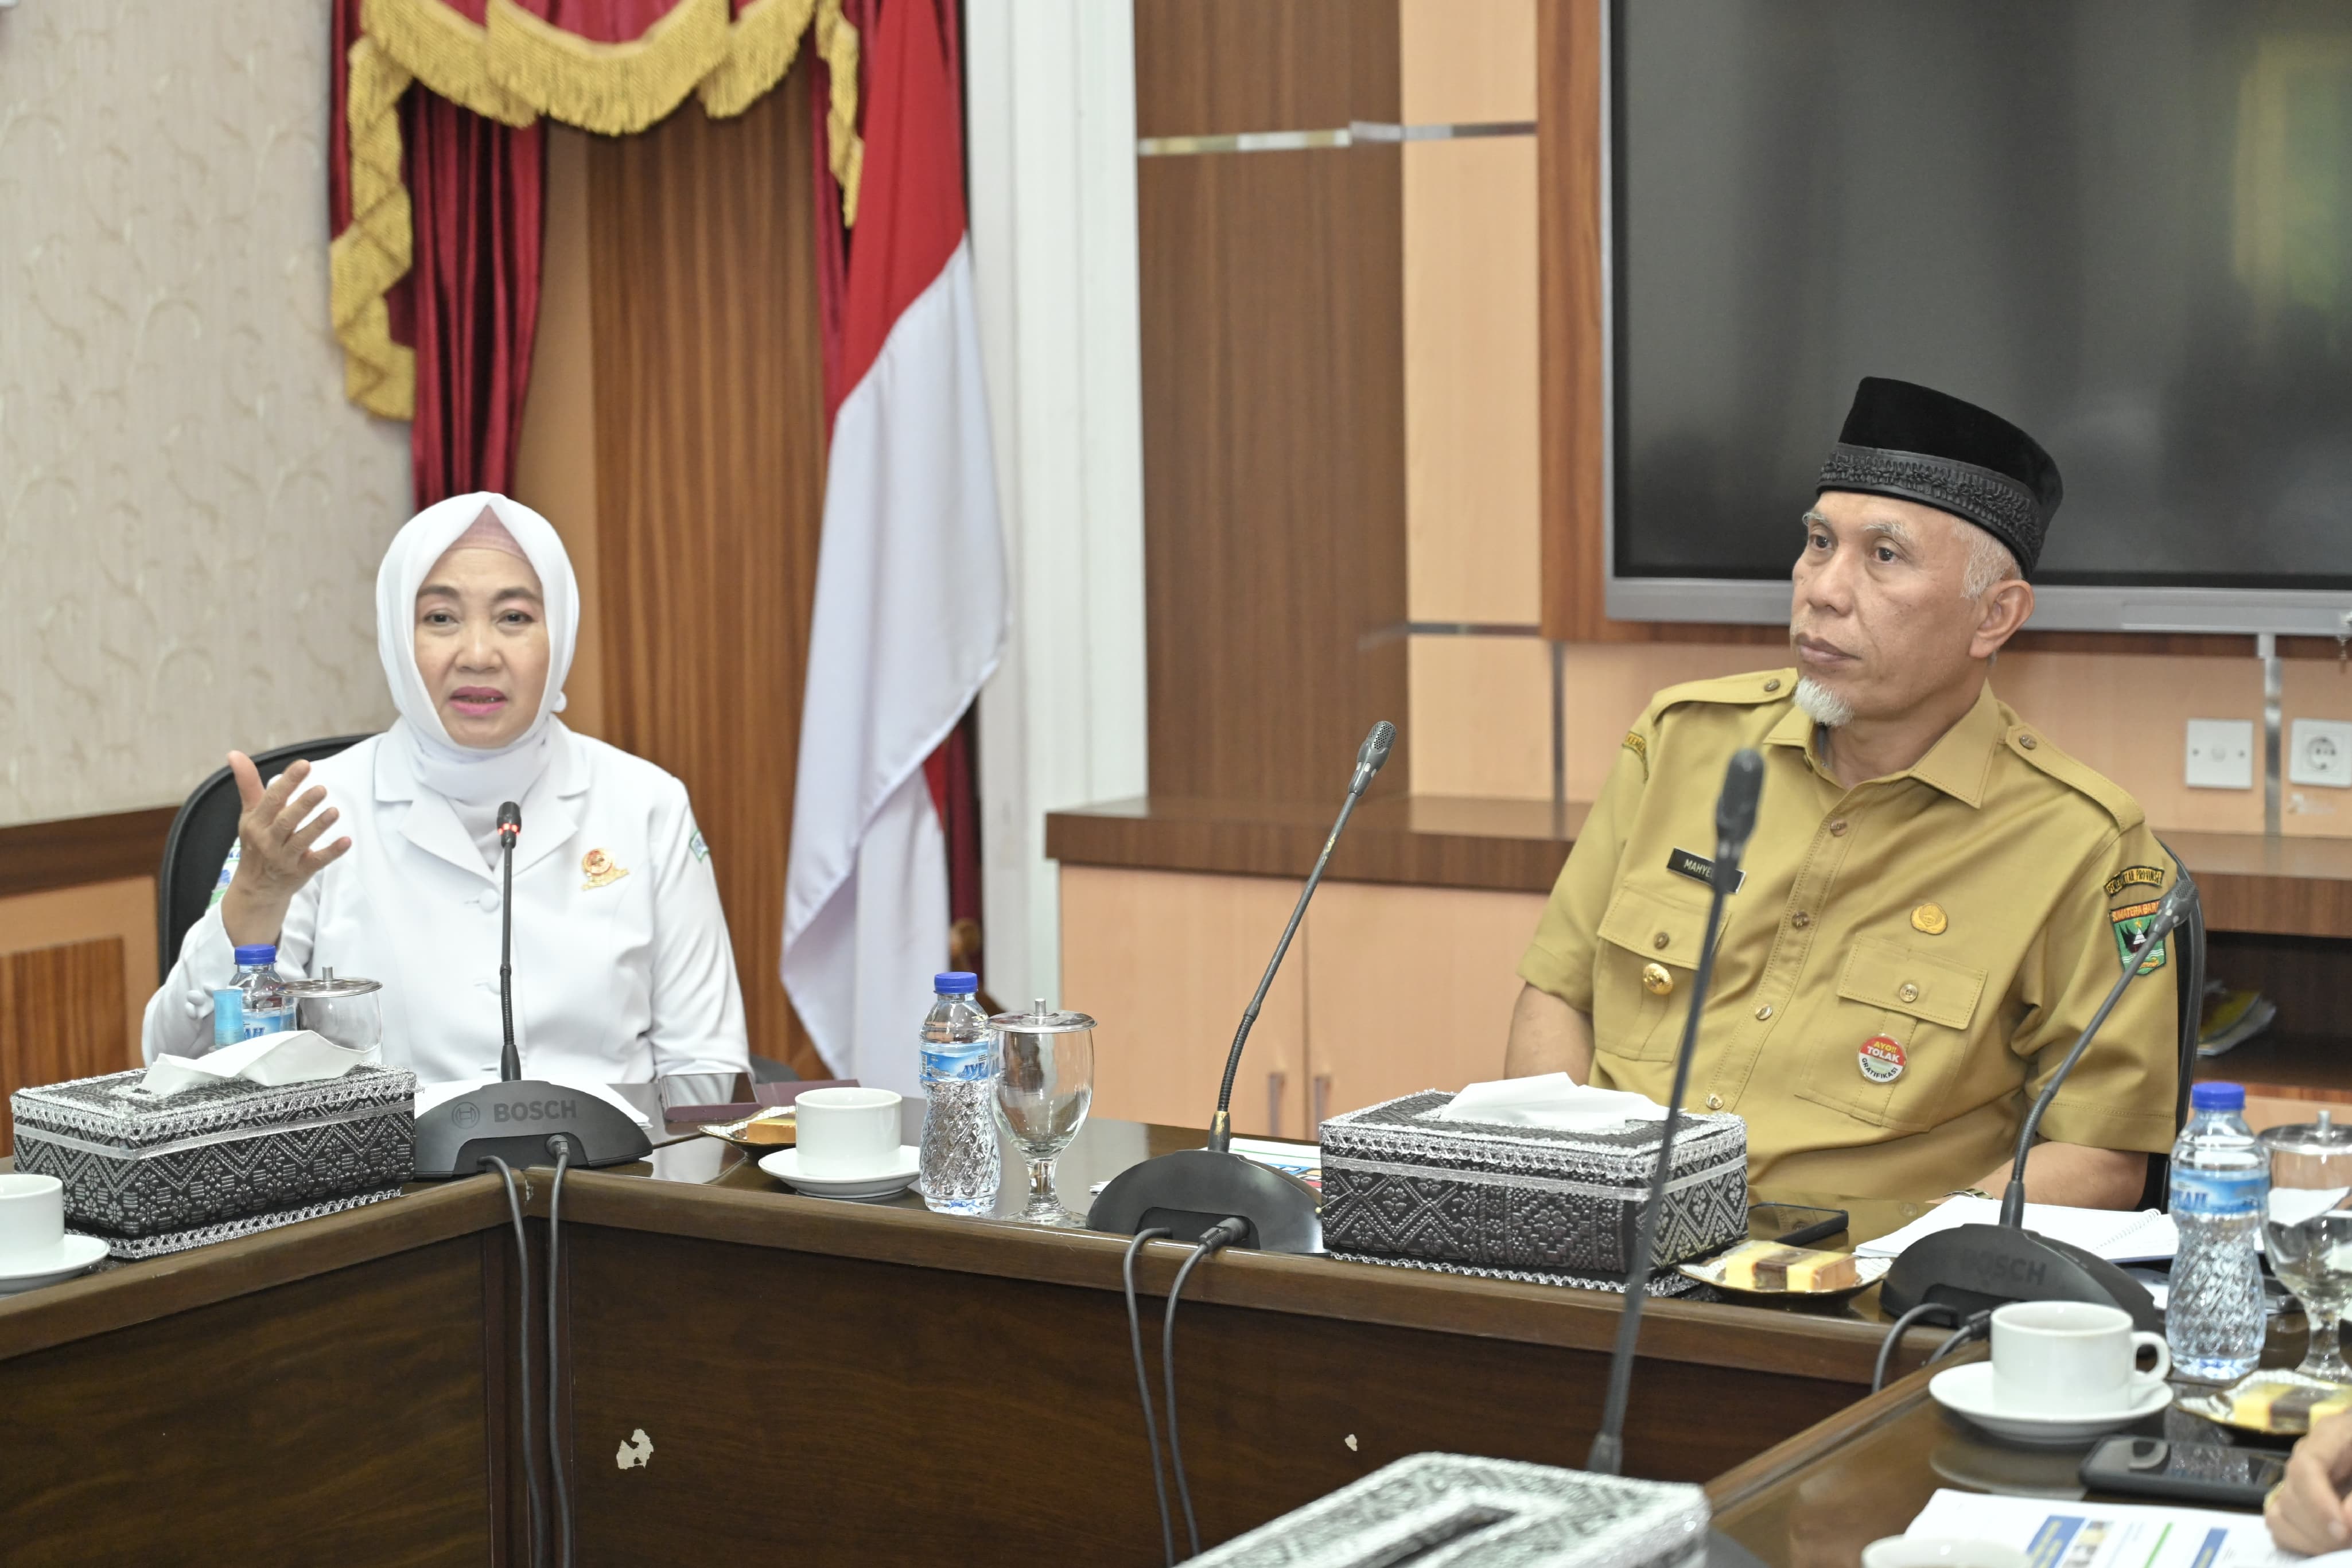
(2125, 224)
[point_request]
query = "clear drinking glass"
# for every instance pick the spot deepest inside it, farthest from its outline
(2308, 1231)
(1047, 1082)
(345, 1009)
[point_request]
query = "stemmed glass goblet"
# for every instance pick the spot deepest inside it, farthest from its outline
(2308, 1231)
(1044, 1083)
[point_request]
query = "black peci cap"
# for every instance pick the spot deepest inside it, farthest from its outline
(1920, 444)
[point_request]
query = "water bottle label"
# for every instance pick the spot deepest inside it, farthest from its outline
(257, 1024)
(967, 1062)
(2225, 1193)
(228, 1016)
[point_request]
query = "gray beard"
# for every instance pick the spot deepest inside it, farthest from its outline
(1822, 705)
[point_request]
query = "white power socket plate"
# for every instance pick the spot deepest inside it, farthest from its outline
(2319, 751)
(2220, 754)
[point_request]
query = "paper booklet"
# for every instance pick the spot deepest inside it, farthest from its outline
(2119, 1236)
(2107, 1535)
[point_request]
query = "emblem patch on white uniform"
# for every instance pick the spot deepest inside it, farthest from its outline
(601, 870)
(697, 848)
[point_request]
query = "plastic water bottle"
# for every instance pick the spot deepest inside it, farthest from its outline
(2220, 1186)
(255, 1001)
(961, 1164)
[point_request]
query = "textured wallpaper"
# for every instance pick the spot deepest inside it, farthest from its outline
(190, 513)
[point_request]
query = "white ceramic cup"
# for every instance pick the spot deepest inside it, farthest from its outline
(1940, 1552)
(32, 1221)
(845, 1133)
(2070, 1358)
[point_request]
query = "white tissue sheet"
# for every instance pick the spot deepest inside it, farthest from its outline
(1551, 1100)
(292, 1056)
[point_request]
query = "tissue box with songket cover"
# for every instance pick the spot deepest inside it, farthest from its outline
(151, 1174)
(1530, 1203)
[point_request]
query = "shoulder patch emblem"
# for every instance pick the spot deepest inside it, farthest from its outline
(1637, 744)
(2130, 924)
(2134, 875)
(697, 848)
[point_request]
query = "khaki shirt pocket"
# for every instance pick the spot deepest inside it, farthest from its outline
(1642, 972)
(1926, 1005)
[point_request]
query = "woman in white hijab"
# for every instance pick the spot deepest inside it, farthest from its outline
(386, 866)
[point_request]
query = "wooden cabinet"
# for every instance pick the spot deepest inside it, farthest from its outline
(1388, 990)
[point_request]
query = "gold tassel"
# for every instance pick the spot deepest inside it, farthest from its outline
(612, 89)
(836, 40)
(374, 253)
(447, 53)
(760, 48)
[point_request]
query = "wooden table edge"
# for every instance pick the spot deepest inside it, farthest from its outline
(1746, 1484)
(203, 1276)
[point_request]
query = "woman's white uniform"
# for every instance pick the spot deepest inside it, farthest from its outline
(622, 972)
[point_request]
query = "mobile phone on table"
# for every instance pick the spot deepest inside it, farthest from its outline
(2183, 1472)
(1792, 1224)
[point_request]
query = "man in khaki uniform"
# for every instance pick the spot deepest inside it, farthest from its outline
(1936, 899)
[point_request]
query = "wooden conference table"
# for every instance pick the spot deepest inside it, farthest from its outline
(818, 1382)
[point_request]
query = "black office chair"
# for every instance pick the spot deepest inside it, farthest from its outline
(2188, 942)
(200, 840)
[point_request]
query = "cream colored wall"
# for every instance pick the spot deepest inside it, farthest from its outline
(190, 513)
(1480, 706)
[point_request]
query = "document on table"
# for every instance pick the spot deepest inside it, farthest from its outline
(2118, 1235)
(2104, 1534)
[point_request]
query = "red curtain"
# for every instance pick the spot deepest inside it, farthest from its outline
(469, 303)
(473, 293)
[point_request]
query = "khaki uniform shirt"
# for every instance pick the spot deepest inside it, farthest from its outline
(1904, 963)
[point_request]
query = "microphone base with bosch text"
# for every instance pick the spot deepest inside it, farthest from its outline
(1977, 1268)
(513, 1121)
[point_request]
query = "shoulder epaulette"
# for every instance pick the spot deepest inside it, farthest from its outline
(2033, 748)
(1741, 691)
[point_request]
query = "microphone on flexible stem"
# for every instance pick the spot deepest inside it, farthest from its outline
(1734, 821)
(523, 1121)
(509, 830)
(1191, 1190)
(1975, 1268)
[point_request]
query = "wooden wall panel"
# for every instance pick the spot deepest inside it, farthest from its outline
(709, 434)
(1223, 66)
(61, 1017)
(1274, 486)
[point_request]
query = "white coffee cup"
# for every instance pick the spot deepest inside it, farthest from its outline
(32, 1221)
(846, 1133)
(2070, 1358)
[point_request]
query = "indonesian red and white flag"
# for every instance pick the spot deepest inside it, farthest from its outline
(910, 609)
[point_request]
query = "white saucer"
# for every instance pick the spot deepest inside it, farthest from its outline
(784, 1165)
(74, 1254)
(1968, 1391)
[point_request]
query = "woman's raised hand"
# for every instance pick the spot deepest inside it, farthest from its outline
(275, 858)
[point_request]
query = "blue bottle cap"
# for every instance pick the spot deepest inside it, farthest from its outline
(2217, 1097)
(262, 952)
(955, 982)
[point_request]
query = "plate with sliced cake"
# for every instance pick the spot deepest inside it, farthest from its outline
(1768, 1272)
(2275, 1403)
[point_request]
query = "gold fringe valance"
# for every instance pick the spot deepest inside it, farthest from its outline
(368, 258)
(514, 67)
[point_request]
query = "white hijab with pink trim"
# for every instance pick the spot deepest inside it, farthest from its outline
(464, 774)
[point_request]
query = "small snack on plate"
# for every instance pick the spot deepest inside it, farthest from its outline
(2285, 1406)
(775, 1127)
(1768, 1266)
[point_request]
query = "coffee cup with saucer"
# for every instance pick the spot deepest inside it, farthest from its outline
(2062, 1374)
(35, 1249)
(848, 1146)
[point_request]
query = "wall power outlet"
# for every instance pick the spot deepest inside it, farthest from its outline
(2220, 754)
(2319, 751)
